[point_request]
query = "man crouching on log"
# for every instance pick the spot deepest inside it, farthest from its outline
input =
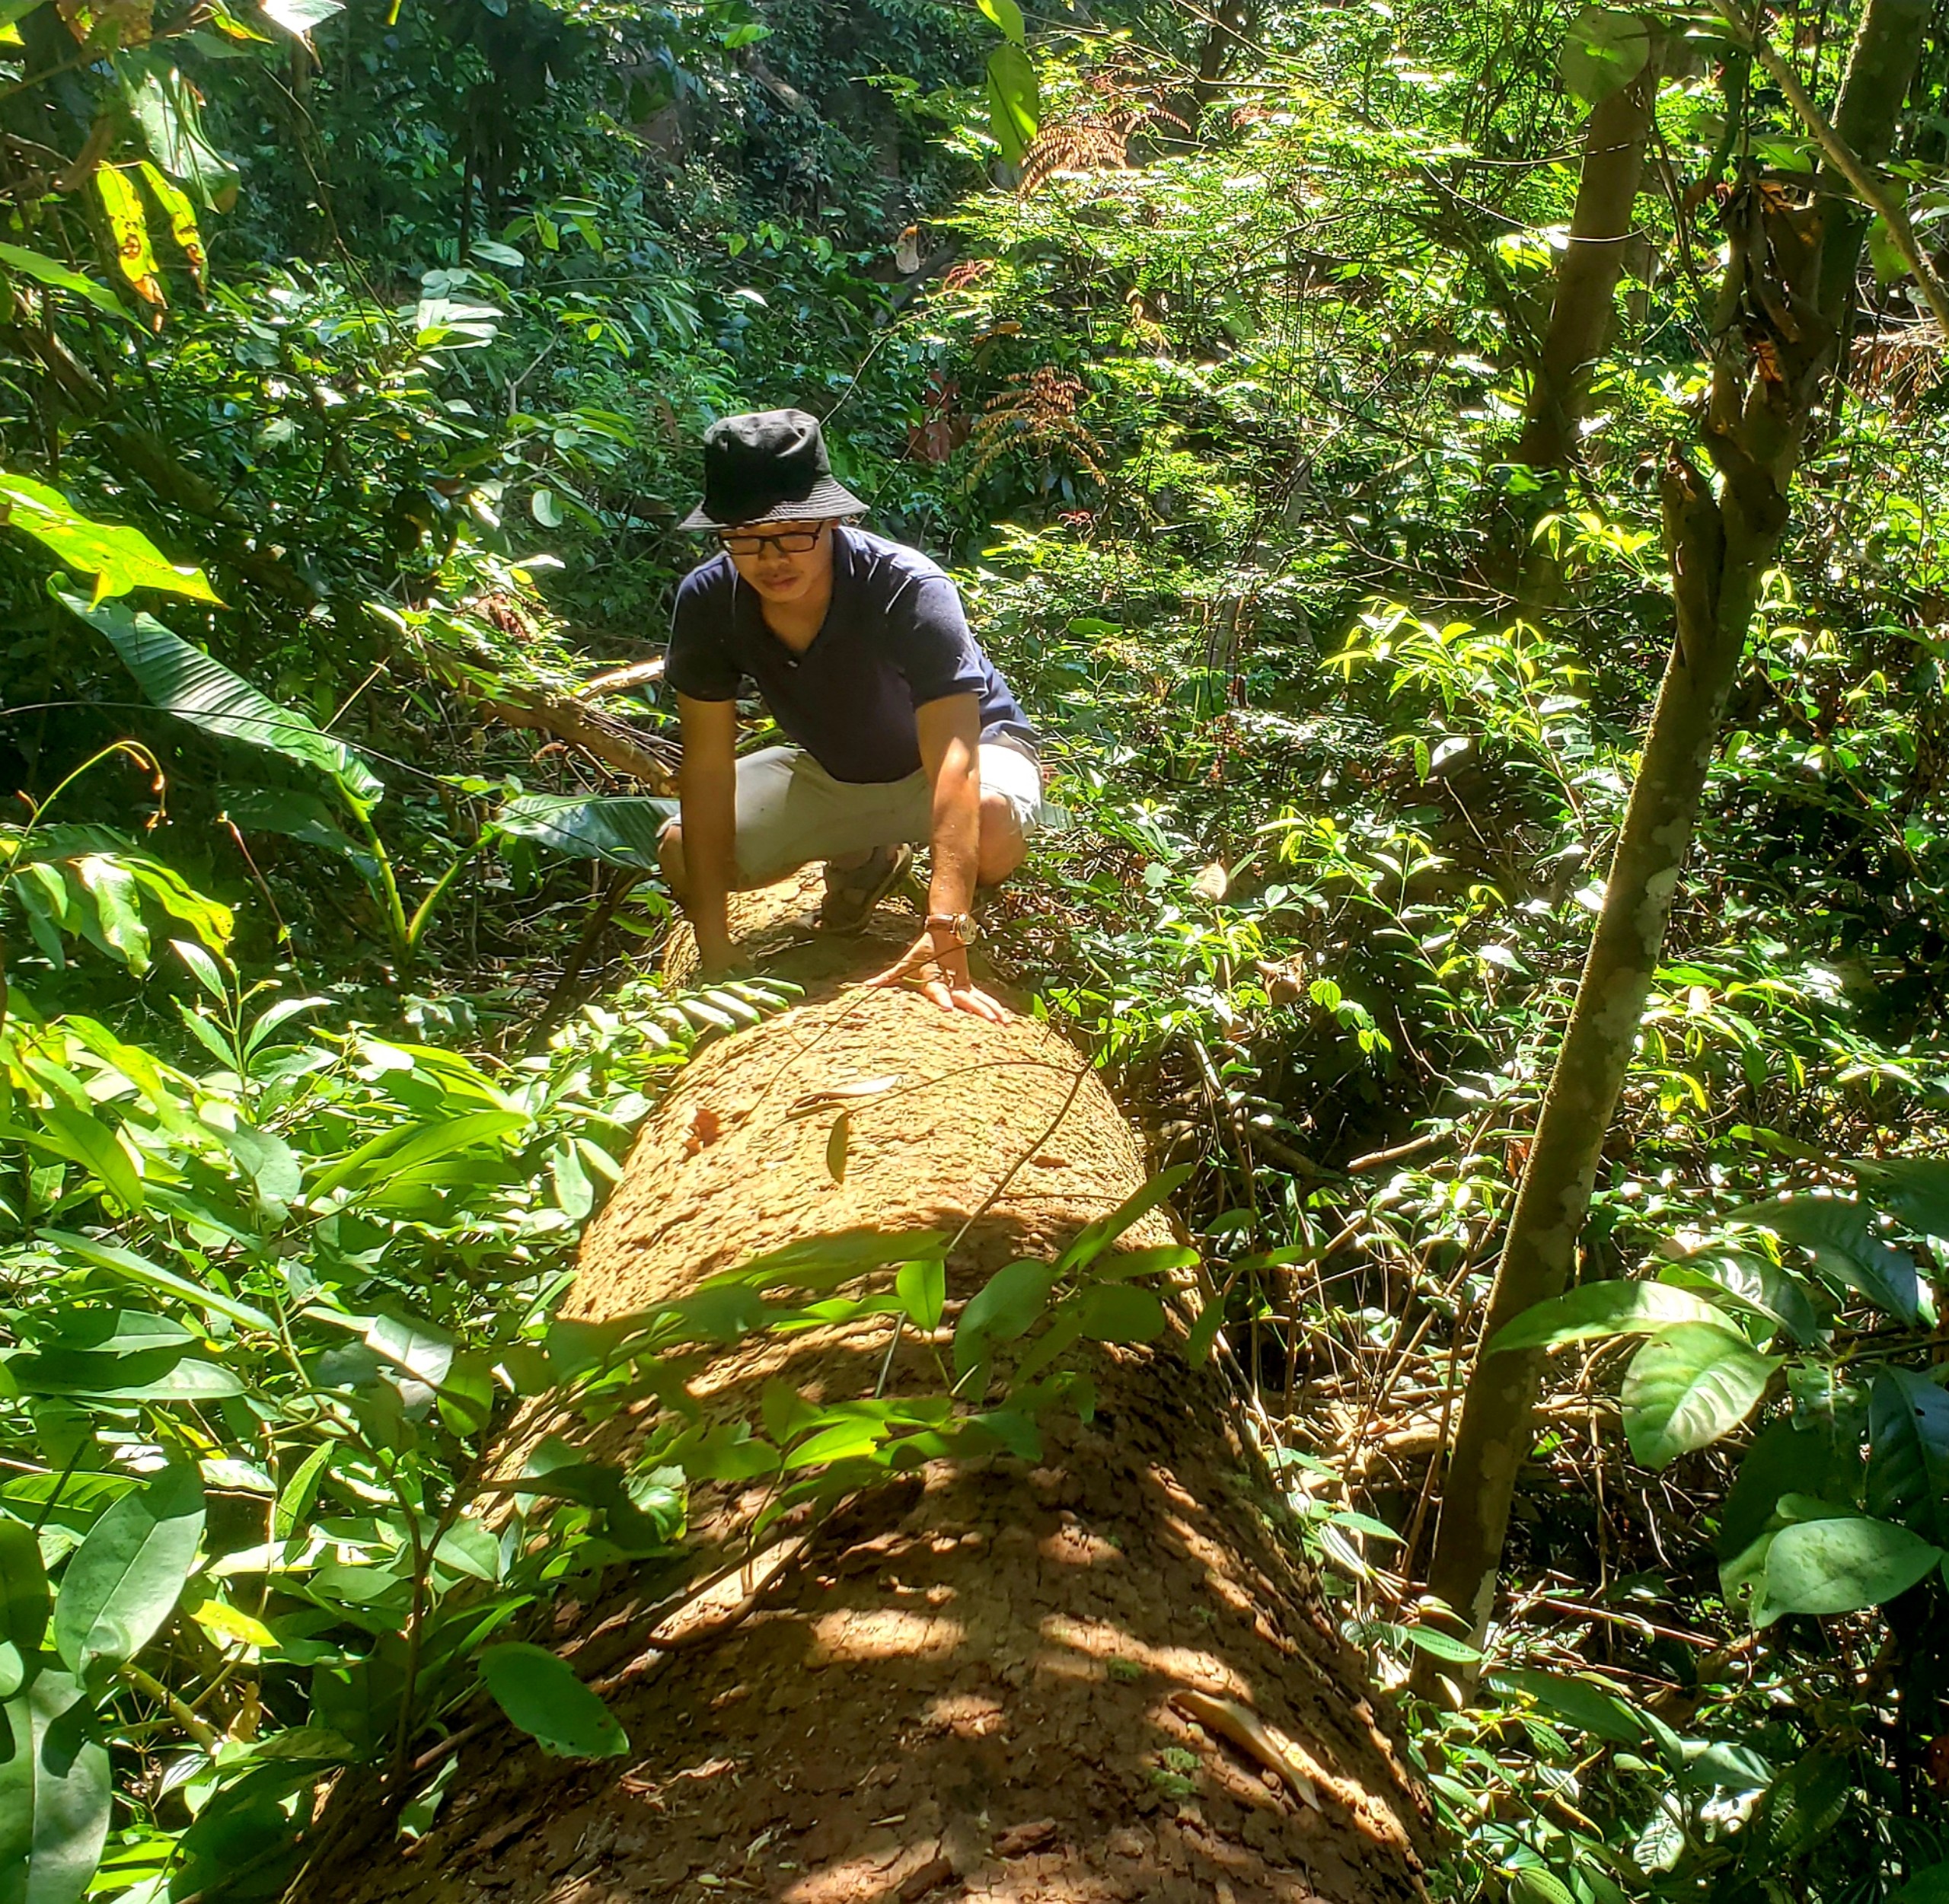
(905, 733)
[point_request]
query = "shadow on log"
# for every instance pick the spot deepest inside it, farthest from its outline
(1104, 1674)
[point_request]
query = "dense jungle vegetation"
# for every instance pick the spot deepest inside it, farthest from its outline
(1335, 415)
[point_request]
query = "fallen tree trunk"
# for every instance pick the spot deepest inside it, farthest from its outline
(1098, 1673)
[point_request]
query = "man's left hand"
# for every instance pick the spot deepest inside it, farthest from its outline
(948, 984)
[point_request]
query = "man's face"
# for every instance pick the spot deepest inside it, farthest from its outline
(783, 561)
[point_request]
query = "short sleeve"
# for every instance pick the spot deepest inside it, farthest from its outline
(697, 662)
(933, 649)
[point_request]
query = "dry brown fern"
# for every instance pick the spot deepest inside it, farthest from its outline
(1037, 410)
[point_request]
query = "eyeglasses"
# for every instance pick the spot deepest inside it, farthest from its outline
(790, 542)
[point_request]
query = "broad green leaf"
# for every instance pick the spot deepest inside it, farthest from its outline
(425, 1353)
(1908, 1461)
(55, 1792)
(1004, 1306)
(165, 1374)
(1605, 50)
(118, 557)
(1784, 1459)
(1096, 1237)
(1014, 100)
(381, 1159)
(1006, 17)
(26, 1599)
(922, 1288)
(58, 276)
(117, 910)
(196, 688)
(1914, 1189)
(122, 1582)
(137, 1269)
(166, 107)
(1589, 1707)
(1594, 1311)
(1119, 1312)
(1835, 1231)
(1687, 1387)
(1843, 1564)
(82, 1140)
(297, 816)
(621, 830)
(1754, 1282)
(542, 1696)
(1929, 1886)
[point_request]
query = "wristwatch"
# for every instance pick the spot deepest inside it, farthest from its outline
(964, 928)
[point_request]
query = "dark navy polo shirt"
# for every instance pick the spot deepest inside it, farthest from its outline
(894, 639)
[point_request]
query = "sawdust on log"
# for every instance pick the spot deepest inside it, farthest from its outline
(960, 1687)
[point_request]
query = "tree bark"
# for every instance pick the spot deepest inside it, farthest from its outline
(1776, 337)
(1581, 309)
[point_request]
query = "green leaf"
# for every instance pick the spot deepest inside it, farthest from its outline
(1119, 1312)
(297, 816)
(119, 558)
(542, 1696)
(165, 106)
(423, 1352)
(196, 688)
(1843, 1564)
(122, 1582)
(922, 1288)
(1578, 1702)
(1914, 1189)
(26, 1598)
(1594, 1311)
(1006, 17)
(1834, 1231)
(55, 1793)
(58, 277)
(1605, 50)
(1004, 1306)
(621, 830)
(378, 1160)
(136, 1269)
(1908, 1459)
(81, 1139)
(1755, 1282)
(144, 1375)
(1014, 100)
(1097, 1236)
(1784, 1459)
(1687, 1387)
(1929, 1886)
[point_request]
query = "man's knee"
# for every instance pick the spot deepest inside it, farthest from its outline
(1003, 846)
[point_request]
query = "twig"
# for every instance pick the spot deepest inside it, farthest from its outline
(617, 679)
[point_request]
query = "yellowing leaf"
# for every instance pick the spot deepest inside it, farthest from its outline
(182, 217)
(123, 205)
(119, 557)
(230, 1625)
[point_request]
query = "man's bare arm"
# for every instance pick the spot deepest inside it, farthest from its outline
(950, 732)
(707, 797)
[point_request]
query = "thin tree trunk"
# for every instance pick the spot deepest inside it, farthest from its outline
(1776, 337)
(1581, 308)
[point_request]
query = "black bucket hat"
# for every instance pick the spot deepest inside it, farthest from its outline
(767, 466)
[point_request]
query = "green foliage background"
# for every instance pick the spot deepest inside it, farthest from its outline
(383, 404)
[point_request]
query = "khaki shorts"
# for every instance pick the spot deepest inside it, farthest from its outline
(792, 811)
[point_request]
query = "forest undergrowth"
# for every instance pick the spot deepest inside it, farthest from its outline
(354, 366)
